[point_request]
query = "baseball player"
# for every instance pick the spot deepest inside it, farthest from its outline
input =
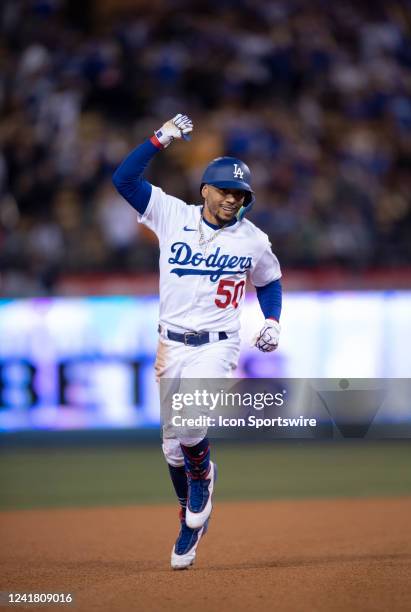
(207, 252)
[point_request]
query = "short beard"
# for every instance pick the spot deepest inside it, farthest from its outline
(224, 221)
(220, 222)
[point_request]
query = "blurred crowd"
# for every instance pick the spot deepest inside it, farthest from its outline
(314, 96)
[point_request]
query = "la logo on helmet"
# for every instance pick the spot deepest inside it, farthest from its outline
(238, 173)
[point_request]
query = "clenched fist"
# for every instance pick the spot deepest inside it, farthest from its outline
(267, 338)
(179, 126)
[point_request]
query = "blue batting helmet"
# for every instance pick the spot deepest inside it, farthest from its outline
(230, 172)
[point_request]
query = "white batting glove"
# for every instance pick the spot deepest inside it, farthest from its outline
(179, 126)
(267, 338)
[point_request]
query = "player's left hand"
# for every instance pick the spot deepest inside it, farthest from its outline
(267, 338)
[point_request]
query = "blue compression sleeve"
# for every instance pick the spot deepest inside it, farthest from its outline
(128, 178)
(270, 299)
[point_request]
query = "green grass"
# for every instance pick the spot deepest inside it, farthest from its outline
(106, 475)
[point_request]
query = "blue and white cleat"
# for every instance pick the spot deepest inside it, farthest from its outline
(184, 550)
(199, 502)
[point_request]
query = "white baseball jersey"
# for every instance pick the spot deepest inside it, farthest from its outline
(202, 288)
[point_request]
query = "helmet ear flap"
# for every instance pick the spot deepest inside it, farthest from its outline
(249, 199)
(247, 206)
(241, 213)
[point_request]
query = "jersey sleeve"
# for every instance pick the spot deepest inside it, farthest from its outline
(267, 268)
(164, 213)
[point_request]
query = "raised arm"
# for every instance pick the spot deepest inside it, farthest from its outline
(128, 178)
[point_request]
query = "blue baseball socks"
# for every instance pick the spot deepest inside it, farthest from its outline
(197, 459)
(201, 475)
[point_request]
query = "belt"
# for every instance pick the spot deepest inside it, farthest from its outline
(193, 338)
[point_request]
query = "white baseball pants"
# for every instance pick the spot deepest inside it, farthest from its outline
(176, 362)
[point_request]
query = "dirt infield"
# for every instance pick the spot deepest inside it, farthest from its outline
(346, 554)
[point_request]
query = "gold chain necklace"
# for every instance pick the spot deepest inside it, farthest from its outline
(203, 241)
